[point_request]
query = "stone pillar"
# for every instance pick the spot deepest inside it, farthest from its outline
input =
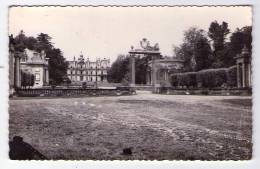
(132, 70)
(238, 76)
(249, 75)
(154, 78)
(17, 72)
(243, 75)
(47, 76)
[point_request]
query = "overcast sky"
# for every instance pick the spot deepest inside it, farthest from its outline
(109, 31)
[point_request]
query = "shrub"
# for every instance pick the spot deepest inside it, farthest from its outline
(174, 80)
(212, 77)
(84, 85)
(187, 79)
(184, 79)
(232, 76)
(208, 78)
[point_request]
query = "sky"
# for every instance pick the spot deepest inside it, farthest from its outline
(106, 32)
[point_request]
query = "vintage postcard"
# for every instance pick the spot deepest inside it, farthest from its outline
(130, 82)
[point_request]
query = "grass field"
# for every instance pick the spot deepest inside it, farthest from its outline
(162, 127)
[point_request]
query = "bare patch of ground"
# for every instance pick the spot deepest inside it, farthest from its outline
(162, 127)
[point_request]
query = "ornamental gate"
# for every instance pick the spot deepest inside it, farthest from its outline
(152, 53)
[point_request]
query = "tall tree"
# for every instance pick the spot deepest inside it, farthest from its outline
(218, 33)
(240, 38)
(57, 65)
(19, 42)
(195, 50)
(44, 42)
(119, 69)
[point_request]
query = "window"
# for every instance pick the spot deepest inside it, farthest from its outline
(37, 77)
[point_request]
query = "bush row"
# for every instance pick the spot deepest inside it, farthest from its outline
(223, 77)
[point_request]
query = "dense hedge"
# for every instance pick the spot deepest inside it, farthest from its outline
(184, 79)
(232, 76)
(209, 78)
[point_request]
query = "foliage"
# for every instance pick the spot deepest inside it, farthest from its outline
(218, 33)
(212, 77)
(141, 65)
(232, 76)
(187, 79)
(119, 69)
(84, 85)
(195, 50)
(27, 79)
(126, 80)
(240, 38)
(208, 78)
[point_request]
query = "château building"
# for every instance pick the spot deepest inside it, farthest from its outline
(84, 70)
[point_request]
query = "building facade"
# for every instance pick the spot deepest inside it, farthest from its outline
(83, 70)
(164, 67)
(36, 63)
(27, 61)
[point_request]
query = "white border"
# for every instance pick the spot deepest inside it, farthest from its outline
(6, 163)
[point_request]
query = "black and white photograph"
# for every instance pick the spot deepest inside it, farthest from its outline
(130, 82)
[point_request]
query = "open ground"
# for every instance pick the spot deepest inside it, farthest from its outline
(153, 126)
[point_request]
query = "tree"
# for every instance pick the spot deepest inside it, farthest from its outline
(240, 38)
(119, 69)
(31, 43)
(195, 50)
(218, 33)
(141, 65)
(202, 54)
(19, 42)
(57, 65)
(44, 42)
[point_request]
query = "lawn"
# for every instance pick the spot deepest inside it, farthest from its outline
(153, 126)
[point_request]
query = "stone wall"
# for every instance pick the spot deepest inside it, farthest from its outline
(73, 92)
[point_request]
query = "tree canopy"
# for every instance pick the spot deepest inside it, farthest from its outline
(195, 50)
(214, 49)
(120, 70)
